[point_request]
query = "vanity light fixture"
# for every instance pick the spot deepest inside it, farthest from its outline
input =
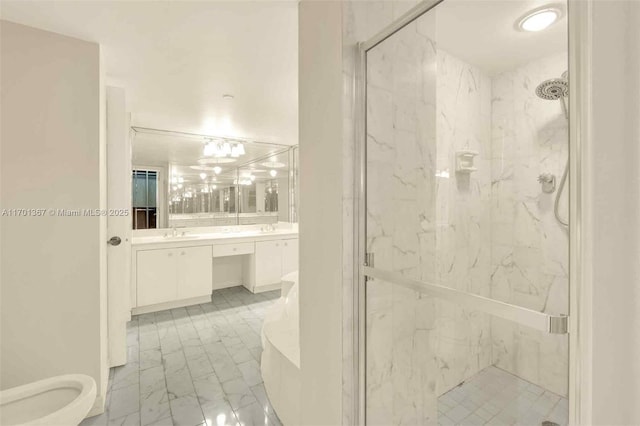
(221, 149)
(273, 173)
(539, 19)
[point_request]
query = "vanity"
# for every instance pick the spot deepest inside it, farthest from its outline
(209, 213)
(183, 268)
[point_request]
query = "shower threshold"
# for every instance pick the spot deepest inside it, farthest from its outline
(496, 397)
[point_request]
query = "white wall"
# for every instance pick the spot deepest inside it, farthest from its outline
(613, 194)
(320, 129)
(52, 309)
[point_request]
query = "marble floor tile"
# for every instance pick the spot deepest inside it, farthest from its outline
(253, 415)
(208, 389)
(495, 397)
(186, 411)
(132, 419)
(238, 393)
(219, 413)
(192, 366)
(124, 401)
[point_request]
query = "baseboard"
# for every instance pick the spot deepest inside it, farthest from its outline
(263, 288)
(171, 305)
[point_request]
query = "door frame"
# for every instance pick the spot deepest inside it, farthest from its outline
(580, 285)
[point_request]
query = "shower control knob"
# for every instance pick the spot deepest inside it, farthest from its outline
(548, 182)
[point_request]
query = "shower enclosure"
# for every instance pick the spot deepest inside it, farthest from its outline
(463, 234)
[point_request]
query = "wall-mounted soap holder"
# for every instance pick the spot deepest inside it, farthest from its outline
(465, 161)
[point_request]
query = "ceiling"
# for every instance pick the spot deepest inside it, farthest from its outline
(183, 155)
(176, 59)
(483, 33)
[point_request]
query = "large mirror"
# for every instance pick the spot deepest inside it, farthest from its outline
(185, 180)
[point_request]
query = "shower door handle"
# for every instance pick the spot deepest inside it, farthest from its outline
(552, 324)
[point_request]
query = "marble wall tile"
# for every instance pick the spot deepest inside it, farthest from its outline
(529, 247)
(463, 206)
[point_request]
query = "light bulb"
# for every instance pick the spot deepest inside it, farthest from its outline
(217, 170)
(203, 176)
(539, 19)
(273, 173)
(209, 149)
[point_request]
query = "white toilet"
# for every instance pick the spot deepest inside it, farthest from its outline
(57, 401)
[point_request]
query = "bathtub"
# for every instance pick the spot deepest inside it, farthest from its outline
(280, 363)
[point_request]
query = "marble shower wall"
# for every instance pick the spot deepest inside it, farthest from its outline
(361, 20)
(529, 247)
(491, 232)
(401, 150)
(463, 208)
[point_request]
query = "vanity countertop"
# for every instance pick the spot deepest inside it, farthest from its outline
(204, 238)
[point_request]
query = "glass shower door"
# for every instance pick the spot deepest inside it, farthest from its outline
(465, 278)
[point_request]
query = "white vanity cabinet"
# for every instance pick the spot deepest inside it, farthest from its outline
(272, 260)
(168, 275)
(173, 272)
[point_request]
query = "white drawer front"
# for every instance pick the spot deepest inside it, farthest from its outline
(222, 250)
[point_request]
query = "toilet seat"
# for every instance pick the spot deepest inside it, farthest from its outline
(56, 401)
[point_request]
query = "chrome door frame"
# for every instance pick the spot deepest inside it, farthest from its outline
(579, 29)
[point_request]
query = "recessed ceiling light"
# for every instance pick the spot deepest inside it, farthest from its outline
(539, 19)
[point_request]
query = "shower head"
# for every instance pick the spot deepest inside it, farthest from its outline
(553, 89)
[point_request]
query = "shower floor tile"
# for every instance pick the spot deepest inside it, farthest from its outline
(495, 397)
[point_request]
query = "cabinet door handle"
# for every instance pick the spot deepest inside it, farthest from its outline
(182, 254)
(285, 244)
(235, 249)
(170, 253)
(277, 245)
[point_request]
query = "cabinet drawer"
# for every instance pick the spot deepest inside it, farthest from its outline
(222, 250)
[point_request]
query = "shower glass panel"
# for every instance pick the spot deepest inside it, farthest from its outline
(466, 290)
